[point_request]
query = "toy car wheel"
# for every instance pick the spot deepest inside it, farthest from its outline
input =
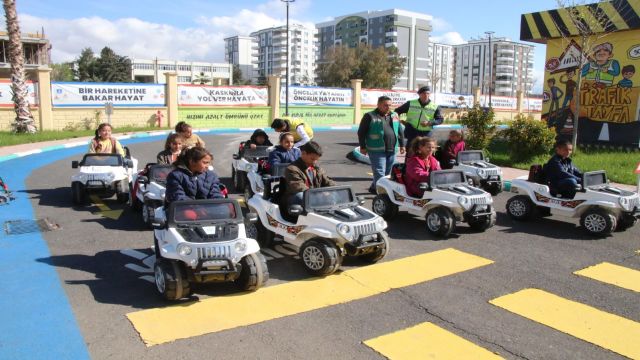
(248, 192)
(440, 221)
(494, 190)
(380, 252)
(483, 223)
(170, 279)
(520, 207)
(254, 272)
(134, 202)
(320, 258)
(598, 221)
(238, 180)
(383, 206)
(122, 196)
(625, 222)
(77, 193)
(147, 214)
(156, 248)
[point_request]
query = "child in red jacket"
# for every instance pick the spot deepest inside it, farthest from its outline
(451, 148)
(420, 164)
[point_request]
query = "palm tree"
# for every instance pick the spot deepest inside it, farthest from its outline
(24, 119)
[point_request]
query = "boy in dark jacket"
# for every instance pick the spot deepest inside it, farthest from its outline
(258, 138)
(304, 174)
(285, 152)
(562, 176)
(192, 179)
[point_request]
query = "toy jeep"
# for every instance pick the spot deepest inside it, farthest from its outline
(247, 168)
(104, 175)
(330, 225)
(447, 198)
(601, 208)
(482, 173)
(201, 241)
(149, 189)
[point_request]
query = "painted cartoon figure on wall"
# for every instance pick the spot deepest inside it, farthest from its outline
(570, 87)
(603, 68)
(627, 73)
(556, 94)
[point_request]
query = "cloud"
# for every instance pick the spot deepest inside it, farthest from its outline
(451, 38)
(439, 24)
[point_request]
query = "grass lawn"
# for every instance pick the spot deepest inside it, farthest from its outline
(619, 164)
(7, 138)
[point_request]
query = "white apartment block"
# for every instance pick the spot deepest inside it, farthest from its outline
(408, 31)
(272, 53)
(512, 67)
(189, 72)
(242, 51)
(440, 70)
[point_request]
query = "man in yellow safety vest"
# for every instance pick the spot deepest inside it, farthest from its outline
(422, 115)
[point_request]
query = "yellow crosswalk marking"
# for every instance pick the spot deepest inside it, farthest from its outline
(606, 330)
(104, 209)
(157, 326)
(613, 274)
(427, 341)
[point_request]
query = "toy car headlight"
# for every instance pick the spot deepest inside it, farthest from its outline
(464, 202)
(482, 173)
(624, 203)
(184, 249)
(240, 246)
(344, 230)
(381, 224)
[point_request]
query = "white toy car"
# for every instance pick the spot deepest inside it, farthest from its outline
(601, 208)
(148, 195)
(483, 174)
(329, 226)
(104, 175)
(448, 198)
(201, 241)
(247, 168)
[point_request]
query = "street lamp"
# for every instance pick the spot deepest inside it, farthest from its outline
(489, 33)
(286, 83)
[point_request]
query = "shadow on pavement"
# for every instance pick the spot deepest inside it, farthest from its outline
(547, 227)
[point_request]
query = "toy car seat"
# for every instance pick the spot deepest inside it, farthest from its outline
(397, 173)
(536, 174)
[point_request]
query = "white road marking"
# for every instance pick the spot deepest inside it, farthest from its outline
(134, 253)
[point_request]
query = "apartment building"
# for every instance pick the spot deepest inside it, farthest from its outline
(440, 69)
(243, 52)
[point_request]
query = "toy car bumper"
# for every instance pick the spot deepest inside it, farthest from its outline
(491, 181)
(223, 265)
(364, 244)
(478, 212)
(635, 214)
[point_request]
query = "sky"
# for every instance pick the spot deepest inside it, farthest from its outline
(193, 30)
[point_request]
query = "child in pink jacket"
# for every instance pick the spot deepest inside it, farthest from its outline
(420, 164)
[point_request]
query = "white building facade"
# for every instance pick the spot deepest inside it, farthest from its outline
(407, 31)
(440, 69)
(506, 68)
(272, 53)
(189, 72)
(243, 52)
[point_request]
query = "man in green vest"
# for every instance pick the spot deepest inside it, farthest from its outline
(380, 137)
(422, 115)
(302, 133)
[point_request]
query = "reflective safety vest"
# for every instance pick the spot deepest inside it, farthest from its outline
(417, 113)
(375, 136)
(600, 73)
(293, 125)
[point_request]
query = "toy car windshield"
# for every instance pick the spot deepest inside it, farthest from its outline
(158, 173)
(594, 178)
(440, 178)
(469, 156)
(329, 198)
(204, 212)
(102, 160)
(258, 152)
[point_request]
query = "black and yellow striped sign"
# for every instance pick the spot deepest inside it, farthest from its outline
(605, 16)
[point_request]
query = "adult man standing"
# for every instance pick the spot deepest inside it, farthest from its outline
(379, 137)
(422, 115)
(302, 133)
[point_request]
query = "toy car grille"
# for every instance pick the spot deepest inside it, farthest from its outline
(634, 202)
(208, 252)
(364, 229)
(480, 200)
(492, 172)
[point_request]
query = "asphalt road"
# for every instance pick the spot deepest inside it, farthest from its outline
(103, 283)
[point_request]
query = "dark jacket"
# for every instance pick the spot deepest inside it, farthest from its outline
(450, 152)
(296, 178)
(252, 139)
(182, 184)
(558, 168)
(281, 156)
(389, 134)
(164, 157)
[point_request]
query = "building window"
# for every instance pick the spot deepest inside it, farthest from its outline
(184, 79)
(166, 67)
(184, 67)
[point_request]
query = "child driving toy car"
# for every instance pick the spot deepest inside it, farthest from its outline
(192, 178)
(189, 138)
(172, 149)
(451, 148)
(104, 143)
(285, 152)
(420, 164)
(304, 174)
(258, 138)
(563, 177)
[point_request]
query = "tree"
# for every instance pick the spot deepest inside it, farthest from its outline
(62, 72)
(109, 67)
(237, 75)
(377, 67)
(202, 79)
(86, 69)
(591, 23)
(24, 119)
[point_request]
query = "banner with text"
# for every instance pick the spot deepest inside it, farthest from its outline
(234, 117)
(452, 100)
(499, 102)
(369, 97)
(322, 115)
(304, 95)
(6, 94)
(532, 104)
(199, 95)
(97, 94)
